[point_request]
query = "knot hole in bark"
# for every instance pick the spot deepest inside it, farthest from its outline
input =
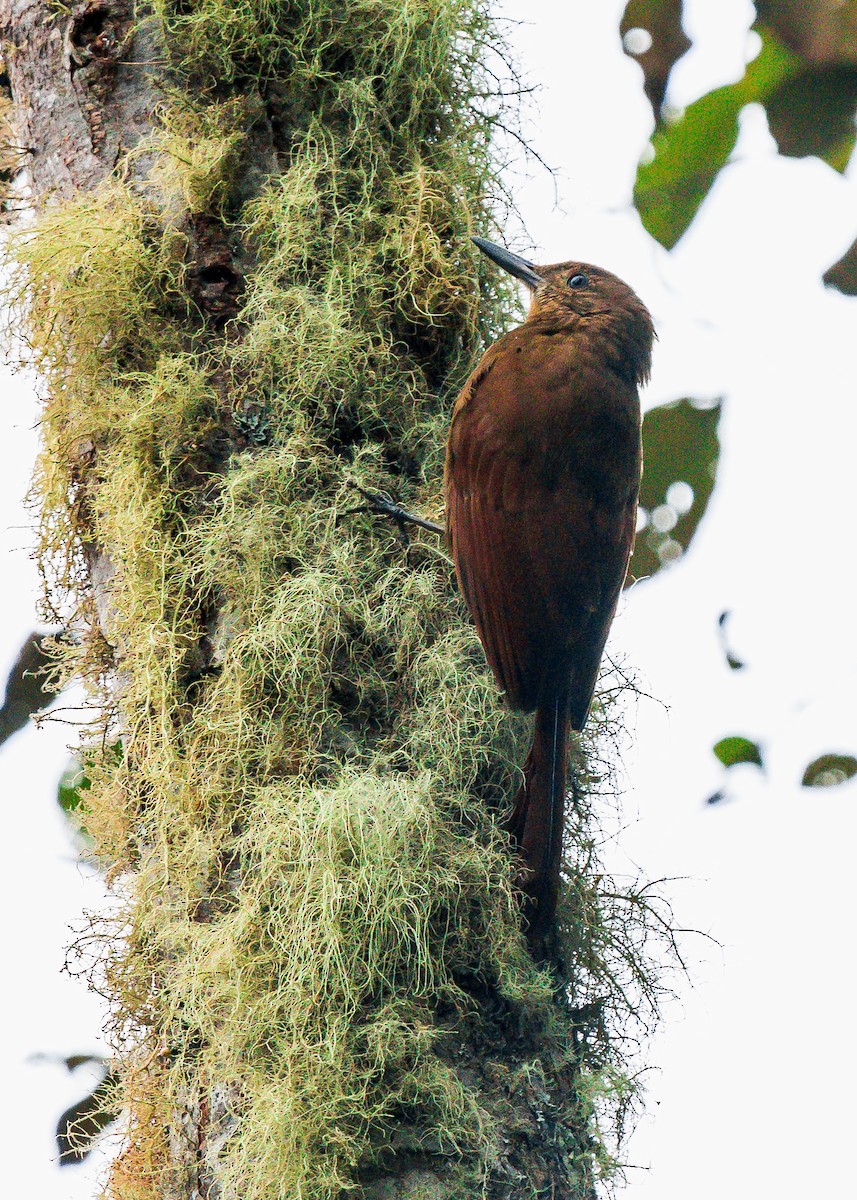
(215, 287)
(96, 34)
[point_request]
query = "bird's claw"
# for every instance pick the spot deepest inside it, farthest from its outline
(380, 504)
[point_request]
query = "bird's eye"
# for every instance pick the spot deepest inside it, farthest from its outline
(578, 281)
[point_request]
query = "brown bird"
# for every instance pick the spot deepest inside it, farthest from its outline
(542, 475)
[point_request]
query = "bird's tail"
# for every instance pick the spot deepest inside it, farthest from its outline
(536, 823)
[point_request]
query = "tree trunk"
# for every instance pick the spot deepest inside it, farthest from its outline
(250, 284)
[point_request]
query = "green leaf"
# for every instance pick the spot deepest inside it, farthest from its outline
(30, 685)
(71, 793)
(75, 782)
(681, 450)
(687, 157)
(812, 113)
(820, 31)
(732, 660)
(80, 1126)
(843, 274)
(829, 770)
(737, 749)
(73, 785)
(689, 153)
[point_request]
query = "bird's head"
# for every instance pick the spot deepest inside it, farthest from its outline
(586, 300)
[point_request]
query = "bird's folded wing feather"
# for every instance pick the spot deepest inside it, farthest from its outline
(540, 556)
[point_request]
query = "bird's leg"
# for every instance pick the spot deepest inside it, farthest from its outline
(382, 505)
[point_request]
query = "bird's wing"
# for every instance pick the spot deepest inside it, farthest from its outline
(539, 536)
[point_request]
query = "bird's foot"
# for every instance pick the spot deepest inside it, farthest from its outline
(382, 505)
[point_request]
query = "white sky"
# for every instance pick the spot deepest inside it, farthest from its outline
(752, 1089)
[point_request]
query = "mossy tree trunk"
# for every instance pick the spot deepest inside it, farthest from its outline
(249, 284)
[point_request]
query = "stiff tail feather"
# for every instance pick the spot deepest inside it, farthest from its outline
(536, 823)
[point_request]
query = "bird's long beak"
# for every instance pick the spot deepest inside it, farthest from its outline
(519, 267)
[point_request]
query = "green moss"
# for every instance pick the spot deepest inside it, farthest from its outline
(314, 750)
(99, 272)
(326, 968)
(199, 151)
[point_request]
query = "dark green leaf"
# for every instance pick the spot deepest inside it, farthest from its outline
(79, 1126)
(689, 153)
(732, 661)
(73, 784)
(830, 770)
(813, 113)
(843, 274)
(29, 687)
(661, 21)
(680, 454)
(73, 1061)
(819, 31)
(737, 749)
(75, 781)
(71, 793)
